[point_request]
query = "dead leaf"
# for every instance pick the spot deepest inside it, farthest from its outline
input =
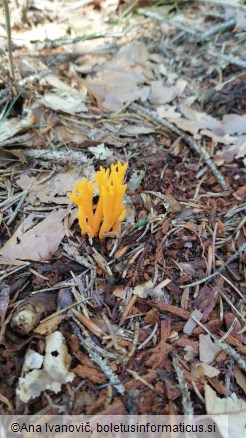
(203, 369)
(187, 268)
(101, 152)
(191, 324)
(49, 326)
(113, 88)
(38, 243)
(9, 128)
(55, 189)
(32, 361)
(208, 350)
(69, 102)
(160, 94)
(234, 427)
(135, 180)
(55, 370)
(134, 130)
(228, 153)
(234, 124)
(173, 205)
(143, 290)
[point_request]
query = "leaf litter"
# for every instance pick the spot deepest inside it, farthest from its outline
(153, 314)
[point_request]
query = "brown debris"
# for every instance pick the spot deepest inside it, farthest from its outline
(229, 319)
(116, 408)
(206, 301)
(169, 308)
(158, 356)
(92, 374)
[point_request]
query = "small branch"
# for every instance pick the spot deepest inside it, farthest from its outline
(224, 3)
(9, 40)
(162, 19)
(62, 156)
(232, 60)
(53, 44)
(188, 140)
(221, 27)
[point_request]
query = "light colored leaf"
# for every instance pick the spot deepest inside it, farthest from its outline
(9, 128)
(70, 102)
(203, 369)
(191, 324)
(32, 360)
(55, 189)
(54, 373)
(208, 350)
(232, 406)
(37, 243)
(143, 290)
(101, 152)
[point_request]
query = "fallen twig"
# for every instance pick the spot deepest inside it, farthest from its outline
(162, 19)
(226, 4)
(52, 44)
(232, 60)
(9, 40)
(221, 27)
(61, 155)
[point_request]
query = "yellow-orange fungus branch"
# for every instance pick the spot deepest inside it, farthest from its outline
(109, 211)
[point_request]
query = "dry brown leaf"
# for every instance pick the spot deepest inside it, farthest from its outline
(101, 152)
(187, 268)
(134, 130)
(113, 88)
(49, 326)
(144, 289)
(55, 189)
(234, 124)
(228, 153)
(131, 54)
(37, 243)
(160, 94)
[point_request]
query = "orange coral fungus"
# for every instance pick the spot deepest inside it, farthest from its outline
(109, 211)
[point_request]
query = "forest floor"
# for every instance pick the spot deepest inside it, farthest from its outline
(151, 319)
